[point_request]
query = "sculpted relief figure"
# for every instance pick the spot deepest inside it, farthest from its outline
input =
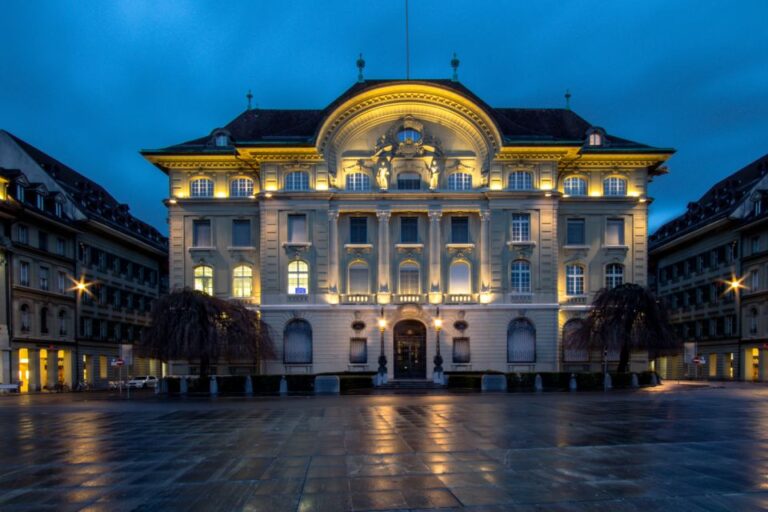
(382, 176)
(434, 175)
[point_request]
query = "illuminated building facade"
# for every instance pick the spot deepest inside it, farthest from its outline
(403, 202)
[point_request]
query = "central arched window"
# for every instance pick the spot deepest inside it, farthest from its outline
(24, 314)
(201, 187)
(614, 186)
(573, 352)
(359, 282)
(408, 135)
(242, 281)
(204, 279)
(408, 181)
(459, 278)
(614, 275)
(297, 342)
(575, 186)
(460, 181)
(241, 187)
(574, 280)
(521, 341)
(409, 279)
(297, 180)
(520, 279)
(358, 182)
(298, 278)
(520, 180)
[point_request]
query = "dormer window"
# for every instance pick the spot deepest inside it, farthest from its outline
(408, 135)
(221, 140)
(40, 202)
(595, 137)
(757, 207)
(58, 209)
(20, 192)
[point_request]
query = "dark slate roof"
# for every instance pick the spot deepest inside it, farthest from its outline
(720, 201)
(518, 126)
(93, 199)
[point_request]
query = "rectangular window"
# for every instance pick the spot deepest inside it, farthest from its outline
(61, 282)
(712, 365)
(521, 227)
(614, 232)
(103, 368)
(409, 230)
(358, 279)
(23, 273)
(241, 233)
(409, 279)
(461, 350)
(358, 350)
(575, 232)
(358, 230)
(23, 234)
(297, 229)
(44, 276)
(61, 246)
(460, 230)
(408, 181)
(42, 241)
(201, 234)
(755, 244)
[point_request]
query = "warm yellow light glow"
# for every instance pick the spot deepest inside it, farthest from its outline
(548, 194)
(566, 195)
(270, 187)
(221, 195)
(438, 323)
(435, 297)
(172, 201)
(268, 195)
(546, 186)
(642, 199)
(496, 185)
(81, 286)
(181, 195)
(735, 284)
(485, 298)
(595, 194)
(634, 194)
(322, 186)
(382, 324)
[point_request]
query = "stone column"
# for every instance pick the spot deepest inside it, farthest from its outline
(333, 251)
(435, 253)
(383, 288)
(485, 251)
(53, 369)
(34, 369)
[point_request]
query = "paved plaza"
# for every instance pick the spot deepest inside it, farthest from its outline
(677, 447)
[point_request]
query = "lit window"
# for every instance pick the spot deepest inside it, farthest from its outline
(298, 278)
(614, 275)
(574, 280)
(409, 279)
(408, 135)
(595, 139)
(520, 180)
(521, 341)
(242, 281)
(201, 187)
(614, 232)
(222, 140)
(297, 180)
(614, 187)
(520, 281)
(297, 342)
(521, 227)
(204, 279)
(575, 186)
(297, 229)
(358, 182)
(408, 181)
(359, 283)
(575, 232)
(241, 187)
(460, 181)
(459, 281)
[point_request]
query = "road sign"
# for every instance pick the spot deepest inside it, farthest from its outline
(119, 361)
(698, 360)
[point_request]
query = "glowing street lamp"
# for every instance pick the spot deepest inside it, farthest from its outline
(438, 373)
(382, 377)
(81, 287)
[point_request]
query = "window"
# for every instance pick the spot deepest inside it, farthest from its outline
(358, 182)
(409, 279)
(520, 279)
(575, 186)
(521, 227)
(40, 201)
(22, 233)
(408, 181)
(58, 209)
(614, 187)
(86, 327)
(242, 281)
(201, 233)
(460, 181)
(358, 230)
(408, 135)
(753, 321)
(24, 318)
(44, 278)
(204, 279)
(459, 281)
(61, 246)
(241, 187)
(574, 280)
(460, 230)
(62, 323)
(201, 187)
(297, 342)
(595, 139)
(23, 273)
(755, 244)
(20, 192)
(757, 207)
(728, 327)
(359, 283)
(42, 240)
(298, 278)
(222, 139)
(44, 320)
(614, 275)
(297, 229)
(409, 230)
(520, 180)
(754, 280)
(614, 232)
(358, 350)
(61, 282)
(461, 353)
(241, 233)
(573, 352)
(297, 180)
(575, 232)
(521, 341)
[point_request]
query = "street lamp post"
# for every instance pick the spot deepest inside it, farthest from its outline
(382, 375)
(438, 373)
(80, 287)
(735, 285)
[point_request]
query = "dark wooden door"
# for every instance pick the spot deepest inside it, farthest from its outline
(410, 350)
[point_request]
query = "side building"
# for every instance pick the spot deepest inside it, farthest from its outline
(81, 274)
(710, 266)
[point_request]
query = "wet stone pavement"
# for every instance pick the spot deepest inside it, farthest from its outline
(680, 448)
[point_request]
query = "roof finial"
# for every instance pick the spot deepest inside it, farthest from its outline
(455, 65)
(249, 96)
(567, 99)
(360, 67)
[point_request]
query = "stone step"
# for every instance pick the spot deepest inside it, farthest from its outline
(410, 384)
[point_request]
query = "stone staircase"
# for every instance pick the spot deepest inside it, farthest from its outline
(406, 385)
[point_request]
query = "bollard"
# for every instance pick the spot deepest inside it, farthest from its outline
(214, 389)
(654, 380)
(283, 386)
(183, 386)
(159, 387)
(572, 383)
(635, 382)
(248, 386)
(538, 383)
(607, 383)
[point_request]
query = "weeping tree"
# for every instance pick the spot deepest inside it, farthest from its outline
(626, 318)
(191, 325)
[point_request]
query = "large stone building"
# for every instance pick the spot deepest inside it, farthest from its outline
(710, 265)
(60, 229)
(403, 203)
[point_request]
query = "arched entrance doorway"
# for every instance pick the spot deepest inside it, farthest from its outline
(410, 338)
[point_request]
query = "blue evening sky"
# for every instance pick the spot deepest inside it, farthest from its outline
(92, 82)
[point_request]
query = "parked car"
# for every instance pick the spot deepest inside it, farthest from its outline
(143, 381)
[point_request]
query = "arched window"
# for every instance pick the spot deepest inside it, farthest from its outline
(201, 187)
(241, 187)
(574, 280)
(408, 181)
(359, 282)
(410, 283)
(242, 281)
(297, 180)
(62, 323)
(575, 186)
(573, 352)
(24, 314)
(297, 342)
(298, 278)
(614, 186)
(460, 181)
(595, 139)
(44, 320)
(520, 180)
(614, 275)
(520, 278)
(204, 279)
(459, 280)
(358, 182)
(521, 341)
